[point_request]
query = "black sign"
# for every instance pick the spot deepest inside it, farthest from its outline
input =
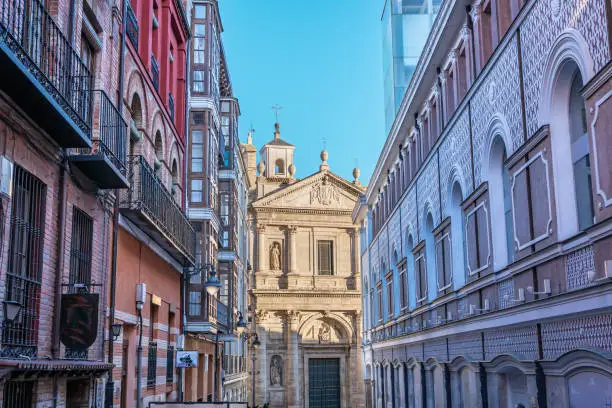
(79, 320)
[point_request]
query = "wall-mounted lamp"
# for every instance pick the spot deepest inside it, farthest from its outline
(241, 325)
(212, 284)
(11, 309)
(116, 330)
(141, 295)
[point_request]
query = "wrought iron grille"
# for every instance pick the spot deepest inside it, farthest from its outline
(131, 27)
(20, 337)
(37, 41)
(148, 194)
(171, 106)
(155, 72)
(18, 394)
(152, 365)
(170, 365)
(80, 247)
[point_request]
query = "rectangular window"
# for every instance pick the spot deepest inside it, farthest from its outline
(198, 81)
(18, 394)
(81, 247)
(477, 233)
(199, 11)
(390, 312)
(420, 270)
(196, 191)
(152, 365)
(380, 302)
(325, 251)
(87, 54)
(224, 209)
(443, 261)
(197, 151)
(199, 41)
(23, 278)
(403, 276)
(170, 365)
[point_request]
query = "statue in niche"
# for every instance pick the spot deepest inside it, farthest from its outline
(276, 371)
(324, 333)
(275, 257)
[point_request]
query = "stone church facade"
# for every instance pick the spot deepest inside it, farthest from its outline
(306, 292)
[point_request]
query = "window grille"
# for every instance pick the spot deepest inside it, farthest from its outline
(152, 365)
(325, 250)
(18, 394)
(170, 365)
(25, 263)
(81, 248)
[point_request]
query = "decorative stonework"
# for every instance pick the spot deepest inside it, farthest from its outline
(409, 215)
(578, 264)
(455, 156)
(592, 332)
(324, 193)
(275, 257)
(499, 94)
(539, 32)
(427, 186)
(505, 293)
(465, 345)
(520, 342)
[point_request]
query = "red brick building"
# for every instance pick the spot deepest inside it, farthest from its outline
(63, 152)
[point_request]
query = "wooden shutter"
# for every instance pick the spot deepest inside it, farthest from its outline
(325, 257)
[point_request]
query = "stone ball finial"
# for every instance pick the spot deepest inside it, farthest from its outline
(291, 169)
(324, 156)
(261, 167)
(356, 173)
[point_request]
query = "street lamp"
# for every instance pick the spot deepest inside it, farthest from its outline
(254, 346)
(11, 309)
(212, 284)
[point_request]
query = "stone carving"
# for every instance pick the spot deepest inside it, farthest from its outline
(324, 333)
(275, 257)
(324, 193)
(276, 371)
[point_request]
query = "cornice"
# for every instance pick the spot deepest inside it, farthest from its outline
(306, 294)
(301, 210)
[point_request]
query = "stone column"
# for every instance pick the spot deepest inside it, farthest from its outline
(292, 238)
(261, 365)
(261, 248)
(293, 378)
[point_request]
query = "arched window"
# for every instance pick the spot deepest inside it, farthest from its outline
(175, 176)
(500, 204)
(457, 235)
(136, 111)
(279, 166)
(580, 154)
(430, 254)
(410, 276)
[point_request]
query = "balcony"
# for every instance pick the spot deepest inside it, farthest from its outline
(131, 27)
(104, 164)
(42, 74)
(150, 205)
(205, 314)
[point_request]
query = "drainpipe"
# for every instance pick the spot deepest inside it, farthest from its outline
(110, 386)
(139, 363)
(59, 267)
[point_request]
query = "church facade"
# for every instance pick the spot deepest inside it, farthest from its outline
(306, 292)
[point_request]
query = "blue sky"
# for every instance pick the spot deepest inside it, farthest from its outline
(321, 61)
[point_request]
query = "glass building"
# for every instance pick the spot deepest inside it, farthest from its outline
(405, 27)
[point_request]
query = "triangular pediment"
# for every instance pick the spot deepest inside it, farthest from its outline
(323, 190)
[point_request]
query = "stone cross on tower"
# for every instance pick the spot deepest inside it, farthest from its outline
(276, 109)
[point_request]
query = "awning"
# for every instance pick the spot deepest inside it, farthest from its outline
(41, 368)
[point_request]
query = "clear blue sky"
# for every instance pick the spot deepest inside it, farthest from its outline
(321, 61)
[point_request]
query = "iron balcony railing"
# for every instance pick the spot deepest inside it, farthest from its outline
(147, 194)
(37, 41)
(154, 72)
(132, 26)
(109, 131)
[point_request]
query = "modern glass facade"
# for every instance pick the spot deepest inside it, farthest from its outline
(405, 27)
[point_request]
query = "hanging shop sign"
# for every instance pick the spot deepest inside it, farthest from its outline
(186, 359)
(79, 320)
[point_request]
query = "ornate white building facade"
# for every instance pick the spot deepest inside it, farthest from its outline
(486, 228)
(306, 290)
